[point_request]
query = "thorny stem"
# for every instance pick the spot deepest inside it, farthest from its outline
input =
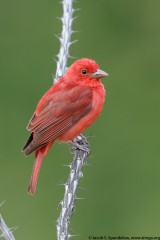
(64, 38)
(80, 144)
(6, 232)
(79, 160)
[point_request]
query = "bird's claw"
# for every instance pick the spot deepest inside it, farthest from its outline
(81, 143)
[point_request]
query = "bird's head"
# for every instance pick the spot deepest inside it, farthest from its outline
(85, 71)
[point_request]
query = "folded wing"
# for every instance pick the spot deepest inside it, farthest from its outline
(58, 111)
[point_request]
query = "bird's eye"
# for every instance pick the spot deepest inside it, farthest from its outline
(84, 71)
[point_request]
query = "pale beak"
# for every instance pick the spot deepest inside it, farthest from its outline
(99, 74)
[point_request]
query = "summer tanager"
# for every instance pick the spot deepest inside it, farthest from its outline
(65, 111)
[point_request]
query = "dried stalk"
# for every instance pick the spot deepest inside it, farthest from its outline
(5, 231)
(80, 147)
(80, 151)
(64, 38)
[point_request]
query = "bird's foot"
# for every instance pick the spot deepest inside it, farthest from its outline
(81, 143)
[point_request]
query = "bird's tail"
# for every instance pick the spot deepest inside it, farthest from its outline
(39, 156)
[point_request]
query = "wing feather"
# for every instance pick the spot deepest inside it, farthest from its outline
(62, 110)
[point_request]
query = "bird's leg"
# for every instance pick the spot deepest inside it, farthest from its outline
(81, 143)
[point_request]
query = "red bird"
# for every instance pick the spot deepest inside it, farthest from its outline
(65, 111)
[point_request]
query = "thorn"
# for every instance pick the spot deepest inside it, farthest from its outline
(67, 165)
(72, 57)
(57, 36)
(71, 43)
(13, 228)
(89, 164)
(69, 235)
(54, 58)
(82, 188)
(61, 184)
(74, 18)
(80, 198)
(60, 204)
(75, 31)
(2, 203)
(59, 18)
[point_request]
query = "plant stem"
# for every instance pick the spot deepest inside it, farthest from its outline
(80, 147)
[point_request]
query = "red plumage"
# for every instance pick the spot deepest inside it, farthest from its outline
(65, 111)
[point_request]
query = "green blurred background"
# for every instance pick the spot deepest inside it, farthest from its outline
(121, 185)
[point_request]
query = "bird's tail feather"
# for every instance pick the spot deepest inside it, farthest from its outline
(39, 156)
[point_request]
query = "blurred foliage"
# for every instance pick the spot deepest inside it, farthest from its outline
(121, 185)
